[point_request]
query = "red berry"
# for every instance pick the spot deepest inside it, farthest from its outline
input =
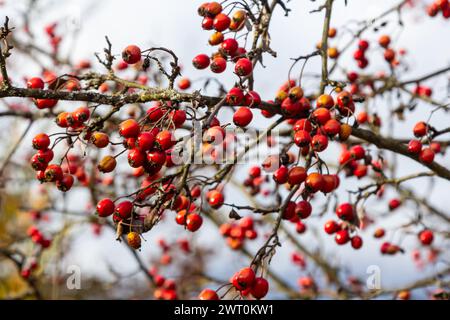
(35, 83)
(332, 127)
(184, 83)
(129, 128)
(259, 288)
(105, 207)
(207, 23)
(221, 22)
(319, 142)
(342, 237)
(420, 129)
(156, 157)
(201, 61)
(235, 96)
(215, 199)
(300, 227)
(165, 140)
(426, 237)
(363, 45)
(146, 140)
(81, 114)
(314, 182)
(131, 54)
(321, 115)
(296, 175)
(356, 242)
(394, 204)
(281, 175)
(345, 211)
(252, 99)
(302, 138)
(218, 65)
(243, 67)
(65, 183)
(208, 294)
(357, 152)
(136, 158)
(331, 227)
(124, 209)
(303, 209)
(242, 117)
(53, 173)
(41, 141)
(414, 146)
(229, 46)
(45, 103)
(193, 222)
(244, 279)
(45, 155)
(426, 155)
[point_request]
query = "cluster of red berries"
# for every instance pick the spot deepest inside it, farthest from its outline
(48, 172)
(246, 282)
(37, 237)
(342, 231)
(439, 5)
(165, 288)
(55, 40)
(215, 19)
(421, 131)
(38, 83)
(355, 161)
(237, 233)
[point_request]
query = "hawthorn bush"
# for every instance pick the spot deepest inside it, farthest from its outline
(148, 146)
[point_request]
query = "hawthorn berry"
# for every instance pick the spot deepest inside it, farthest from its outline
(41, 141)
(35, 83)
(201, 61)
(45, 103)
(129, 128)
(218, 65)
(259, 288)
(426, 237)
(303, 209)
(105, 207)
(296, 175)
(107, 164)
(235, 96)
(281, 175)
(331, 227)
(243, 67)
(193, 222)
(244, 279)
(229, 46)
(165, 140)
(208, 294)
(325, 101)
(356, 242)
(414, 146)
(242, 117)
(134, 240)
(420, 129)
(426, 155)
(319, 142)
(302, 138)
(131, 54)
(314, 182)
(215, 199)
(221, 22)
(342, 237)
(53, 173)
(66, 183)
(124, 209)
(345, 211)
